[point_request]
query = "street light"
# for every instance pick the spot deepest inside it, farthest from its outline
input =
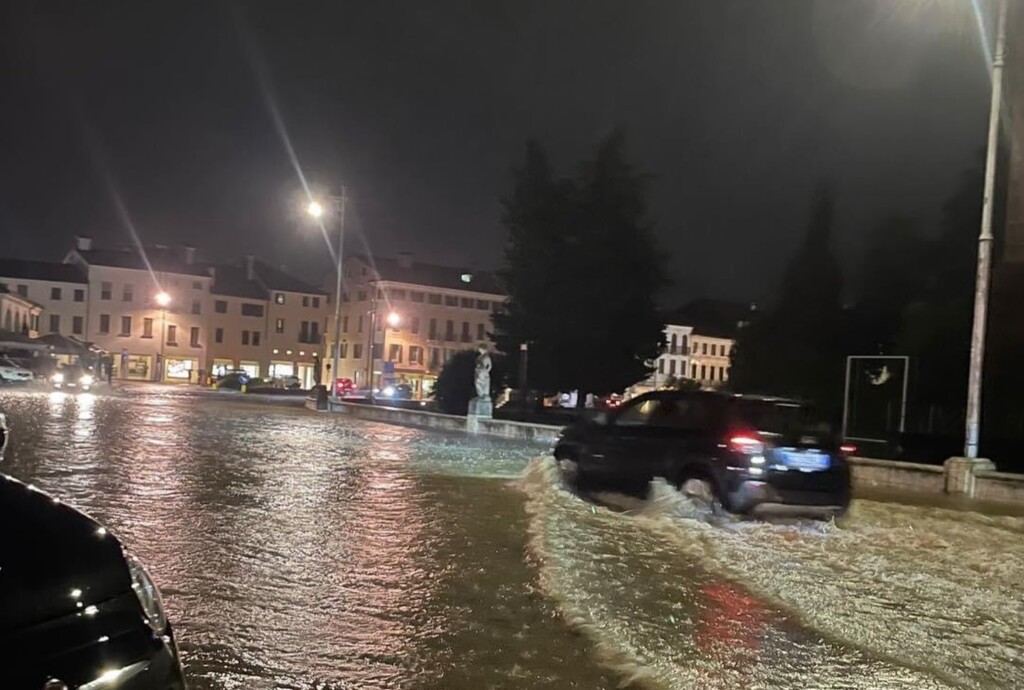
(316, 210)
(163, 300)
(985, 239)
(394, 318)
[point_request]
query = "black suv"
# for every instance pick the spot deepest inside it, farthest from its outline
(746, 454)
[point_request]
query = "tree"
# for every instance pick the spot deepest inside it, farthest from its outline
(581, 271)
(796, 349)
(456, 385)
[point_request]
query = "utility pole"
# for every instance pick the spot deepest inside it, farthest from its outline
(337, 293)
(985, 238)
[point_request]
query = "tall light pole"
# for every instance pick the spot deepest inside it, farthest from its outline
(317, 211)
(163, 300)
(390, 321)
(985, 238)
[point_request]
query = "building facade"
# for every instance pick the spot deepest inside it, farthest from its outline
(709, 359)
(401, 320)
(20, 315)
(671, 365)
(58, 289)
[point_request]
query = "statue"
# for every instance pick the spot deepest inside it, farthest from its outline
(482, 377)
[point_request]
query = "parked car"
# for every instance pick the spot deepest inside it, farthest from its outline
(400, 391)
(12, 372)
(234, 380)
(79, 611)
(744, 454)
(72, 376)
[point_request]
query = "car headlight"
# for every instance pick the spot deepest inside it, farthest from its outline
(57, 378)
(389, 391)
(148, 595)
(85, 380)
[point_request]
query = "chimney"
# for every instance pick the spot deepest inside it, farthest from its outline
(212, 270)
(405, 259)
(190, 254)
(250, 267)
(83, 243)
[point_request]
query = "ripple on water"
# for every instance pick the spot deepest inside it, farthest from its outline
(679, 599)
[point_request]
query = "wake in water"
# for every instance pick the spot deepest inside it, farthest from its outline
(891, 597)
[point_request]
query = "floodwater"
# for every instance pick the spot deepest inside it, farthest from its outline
(298, 550)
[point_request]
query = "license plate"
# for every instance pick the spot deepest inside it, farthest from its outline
(806, 460)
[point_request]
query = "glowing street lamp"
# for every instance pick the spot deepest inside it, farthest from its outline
(162, 299)
(394, 318)
(315, 209)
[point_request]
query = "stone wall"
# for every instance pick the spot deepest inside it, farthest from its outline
(893, 474)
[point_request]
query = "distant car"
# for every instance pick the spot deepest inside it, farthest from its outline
(78, 610)
(72, 377)
(290, 382)
(743, 454)
(12, 372)
(401, 391)
(234, 380)
(344, 387)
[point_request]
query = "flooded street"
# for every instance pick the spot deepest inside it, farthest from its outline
(298, 550)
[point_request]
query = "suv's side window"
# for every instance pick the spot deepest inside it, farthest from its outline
(638, 414)
(690, 412)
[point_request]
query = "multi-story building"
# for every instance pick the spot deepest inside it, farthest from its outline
(671, 364)
(401, 319)
(149, 340)
(58, 289)
(265, 322)
(709, 359)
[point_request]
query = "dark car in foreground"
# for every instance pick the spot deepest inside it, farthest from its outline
(745, 454)
(76, 610)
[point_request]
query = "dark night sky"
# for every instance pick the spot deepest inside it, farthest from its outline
(737, 107)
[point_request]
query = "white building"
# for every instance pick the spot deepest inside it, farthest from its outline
(60, 290)
(672, 364)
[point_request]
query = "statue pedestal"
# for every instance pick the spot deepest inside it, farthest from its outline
(479, 408)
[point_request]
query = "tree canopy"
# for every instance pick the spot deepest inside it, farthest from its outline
(581, 270)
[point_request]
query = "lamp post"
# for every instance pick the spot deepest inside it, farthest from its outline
(390, 321)
(316, 210)
(163, 300)
(985, 238)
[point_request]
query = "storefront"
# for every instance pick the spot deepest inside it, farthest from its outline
(306, 375)
(134, 367)
(181, 370)
(281, 370)
(221, 367)
(250, 368)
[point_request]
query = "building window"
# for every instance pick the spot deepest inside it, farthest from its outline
(380, 294)
(483, 304)
(279, 297)
(23, 290)
(314, 332)
(245, 337)
(451, 301)
(432, 330)
(218, 335)
(449, 330)
(279, 326)
(250, 309)
(104, 323)
(172, 335)
(147, 328)
(361, 295)
(398, 295)
(693, 371)
(721, 373)
(685, 345)
(360, 324)
(197, 306)
(414, 327)
(126, 325)
(128, 292)
(221, 306)
(434, 298)
(79, 295)
(344, 324)
(255, 337)
(55, 293)
(305, 300)
(197, 285)
(395, 353)
(467, 303)
(415, 354)
(194, 336)
(661, 365)
(703, 372)
(357, 351)
(54, 323)
(435, 358)
(416, 296)
(106, 288)
(76, 325)
(671, 367)
(316, 302)
(304, 332)
(712, 372)
(481, 332)
(465, 331)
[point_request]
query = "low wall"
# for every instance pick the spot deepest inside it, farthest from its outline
(895, 474)
(974, 479)
(1002, 487)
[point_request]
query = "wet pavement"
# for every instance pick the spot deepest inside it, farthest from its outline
(298, 550)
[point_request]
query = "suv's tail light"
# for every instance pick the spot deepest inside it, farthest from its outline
(748, 444)
(848, 448)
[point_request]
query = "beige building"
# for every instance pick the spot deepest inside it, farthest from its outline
(148, 341)
(436, 311)
(265, 322)
(709, 359)
(60, 291)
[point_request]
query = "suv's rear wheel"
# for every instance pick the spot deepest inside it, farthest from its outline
(700, 489)
(568, 467)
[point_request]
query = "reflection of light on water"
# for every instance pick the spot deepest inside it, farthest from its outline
(57, 400)
(85, 425)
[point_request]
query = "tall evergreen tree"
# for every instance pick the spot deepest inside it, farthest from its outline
(581, 270)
